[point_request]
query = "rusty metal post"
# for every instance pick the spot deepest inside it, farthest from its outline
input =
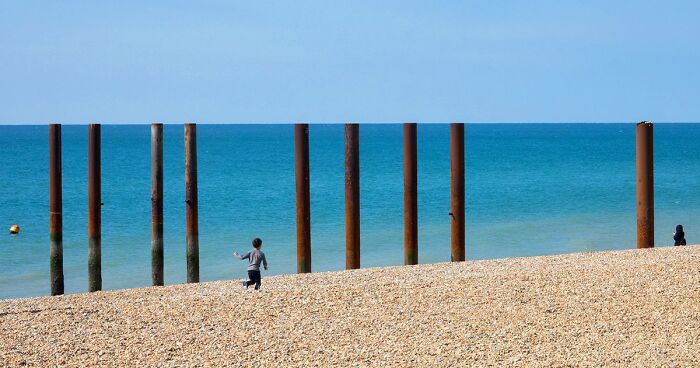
(301, 156)
(645, 185)
(191, 202)
(410, 195)
(352, 196)
(157, 204)
(457, 191)
(94, 209)
(55, 210)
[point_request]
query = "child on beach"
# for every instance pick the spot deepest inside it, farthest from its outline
(254, 257)
(679, 236)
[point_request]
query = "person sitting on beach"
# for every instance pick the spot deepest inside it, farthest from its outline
(254, 257)
(679, 236)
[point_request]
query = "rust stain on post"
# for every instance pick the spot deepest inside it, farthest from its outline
(645, 185)
(352, 196)
(157, 204)
(410, 195)
(457, 191)
(191, 202)
(94, 209)
(55, 210)
(301, 156)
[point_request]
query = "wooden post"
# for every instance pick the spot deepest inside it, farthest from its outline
(303, 206)
(645, 185)
(191, 202)
(94, 209)
(352, 196)
(457, 191)
(410, 195)
(55, 210)
(157, 278)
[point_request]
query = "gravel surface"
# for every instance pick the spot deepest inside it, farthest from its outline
(625, 308)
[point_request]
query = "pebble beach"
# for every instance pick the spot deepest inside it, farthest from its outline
(620, 308)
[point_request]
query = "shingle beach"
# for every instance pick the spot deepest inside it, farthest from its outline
(623, 308)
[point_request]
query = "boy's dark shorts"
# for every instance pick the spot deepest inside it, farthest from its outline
(255, 279)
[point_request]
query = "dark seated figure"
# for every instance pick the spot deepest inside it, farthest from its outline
(679, 236)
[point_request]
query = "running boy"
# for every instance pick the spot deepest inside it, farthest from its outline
(254, 257)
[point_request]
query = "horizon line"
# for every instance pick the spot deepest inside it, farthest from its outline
(347, 122)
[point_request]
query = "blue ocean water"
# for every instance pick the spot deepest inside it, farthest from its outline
(532, 189)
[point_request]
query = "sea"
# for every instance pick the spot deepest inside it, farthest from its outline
(531, 189)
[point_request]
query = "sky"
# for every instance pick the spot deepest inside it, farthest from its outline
(335, 61)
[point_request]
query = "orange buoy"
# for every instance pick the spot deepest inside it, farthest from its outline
(14, 229)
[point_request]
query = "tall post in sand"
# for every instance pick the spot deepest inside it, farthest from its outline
(410, 195)
(94, 209)
(301, 156)
(352, 196)
(645, 185)
(55, 210)
(457, 191)
(191, 202)
(157, 204)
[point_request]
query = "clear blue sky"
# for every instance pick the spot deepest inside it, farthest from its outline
(333, 61)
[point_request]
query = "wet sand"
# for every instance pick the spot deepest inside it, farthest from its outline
(624, 308)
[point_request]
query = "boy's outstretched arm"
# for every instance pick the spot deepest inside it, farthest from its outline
(264, 261)
(241, 257)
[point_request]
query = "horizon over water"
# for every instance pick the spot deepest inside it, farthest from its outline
(312, 123)
(532, 189)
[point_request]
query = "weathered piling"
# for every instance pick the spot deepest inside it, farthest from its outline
(410, 195)
(191, 202)
(55, 210)
(457, 191)
(352, 196)
(301, 157)
(94, 209)
(645, 185)
(157, 204)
